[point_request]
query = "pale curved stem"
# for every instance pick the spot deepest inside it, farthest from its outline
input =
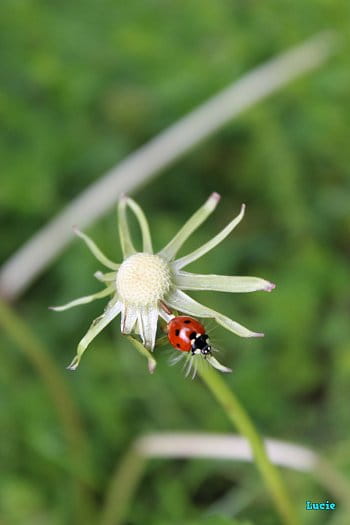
(36, 254)
(178, 445)
(172, 445)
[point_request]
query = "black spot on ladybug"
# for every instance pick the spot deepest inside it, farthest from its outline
(178, 345)
(177, 331)
(187, 321)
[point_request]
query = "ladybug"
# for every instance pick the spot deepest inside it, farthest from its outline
(188, 335)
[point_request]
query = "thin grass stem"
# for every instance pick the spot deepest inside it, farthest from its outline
(122, 487)
(19, 332)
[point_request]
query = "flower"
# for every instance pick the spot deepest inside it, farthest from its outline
(146, 286)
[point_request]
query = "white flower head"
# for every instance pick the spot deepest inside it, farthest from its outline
(146, 286)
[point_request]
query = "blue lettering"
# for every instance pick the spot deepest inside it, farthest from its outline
(320, 505)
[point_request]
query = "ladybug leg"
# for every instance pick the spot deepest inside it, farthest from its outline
(165, 308)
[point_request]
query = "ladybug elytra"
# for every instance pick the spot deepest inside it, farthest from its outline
(188, 335)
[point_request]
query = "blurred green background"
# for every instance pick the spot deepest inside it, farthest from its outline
(83, 84)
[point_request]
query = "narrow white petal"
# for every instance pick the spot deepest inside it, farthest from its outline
(196, 254)
(128, 320)
(221, 283)
(96, 250)
(147, 321)
(215, 363)
(189, 227)
(84, 300)
(106, 277)
(124, 232)
(96, 327)
(235, 327)
(182, 302)
(143, 223)
(152, 363)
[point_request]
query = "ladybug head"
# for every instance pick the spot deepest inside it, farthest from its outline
(200, 344)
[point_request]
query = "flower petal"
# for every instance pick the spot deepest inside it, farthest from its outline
(196, 254)
(96, 327)
(84, 300)
(189, 227)
(152, 363)
(129, 318)
(96, 251)
(148, 321)
(215, 363)
(182, 302)
(124, 232)
(143, 223)
(105, 277)
(221, 283)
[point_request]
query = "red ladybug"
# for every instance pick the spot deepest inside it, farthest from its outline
(188, 335)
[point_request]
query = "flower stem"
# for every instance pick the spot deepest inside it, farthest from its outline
(122, 487)
(236, 413)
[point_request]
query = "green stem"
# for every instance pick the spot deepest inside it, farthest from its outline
(19, 332)
(122, 488)
(236, 413)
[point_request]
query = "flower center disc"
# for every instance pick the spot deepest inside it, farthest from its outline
(143, 279)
